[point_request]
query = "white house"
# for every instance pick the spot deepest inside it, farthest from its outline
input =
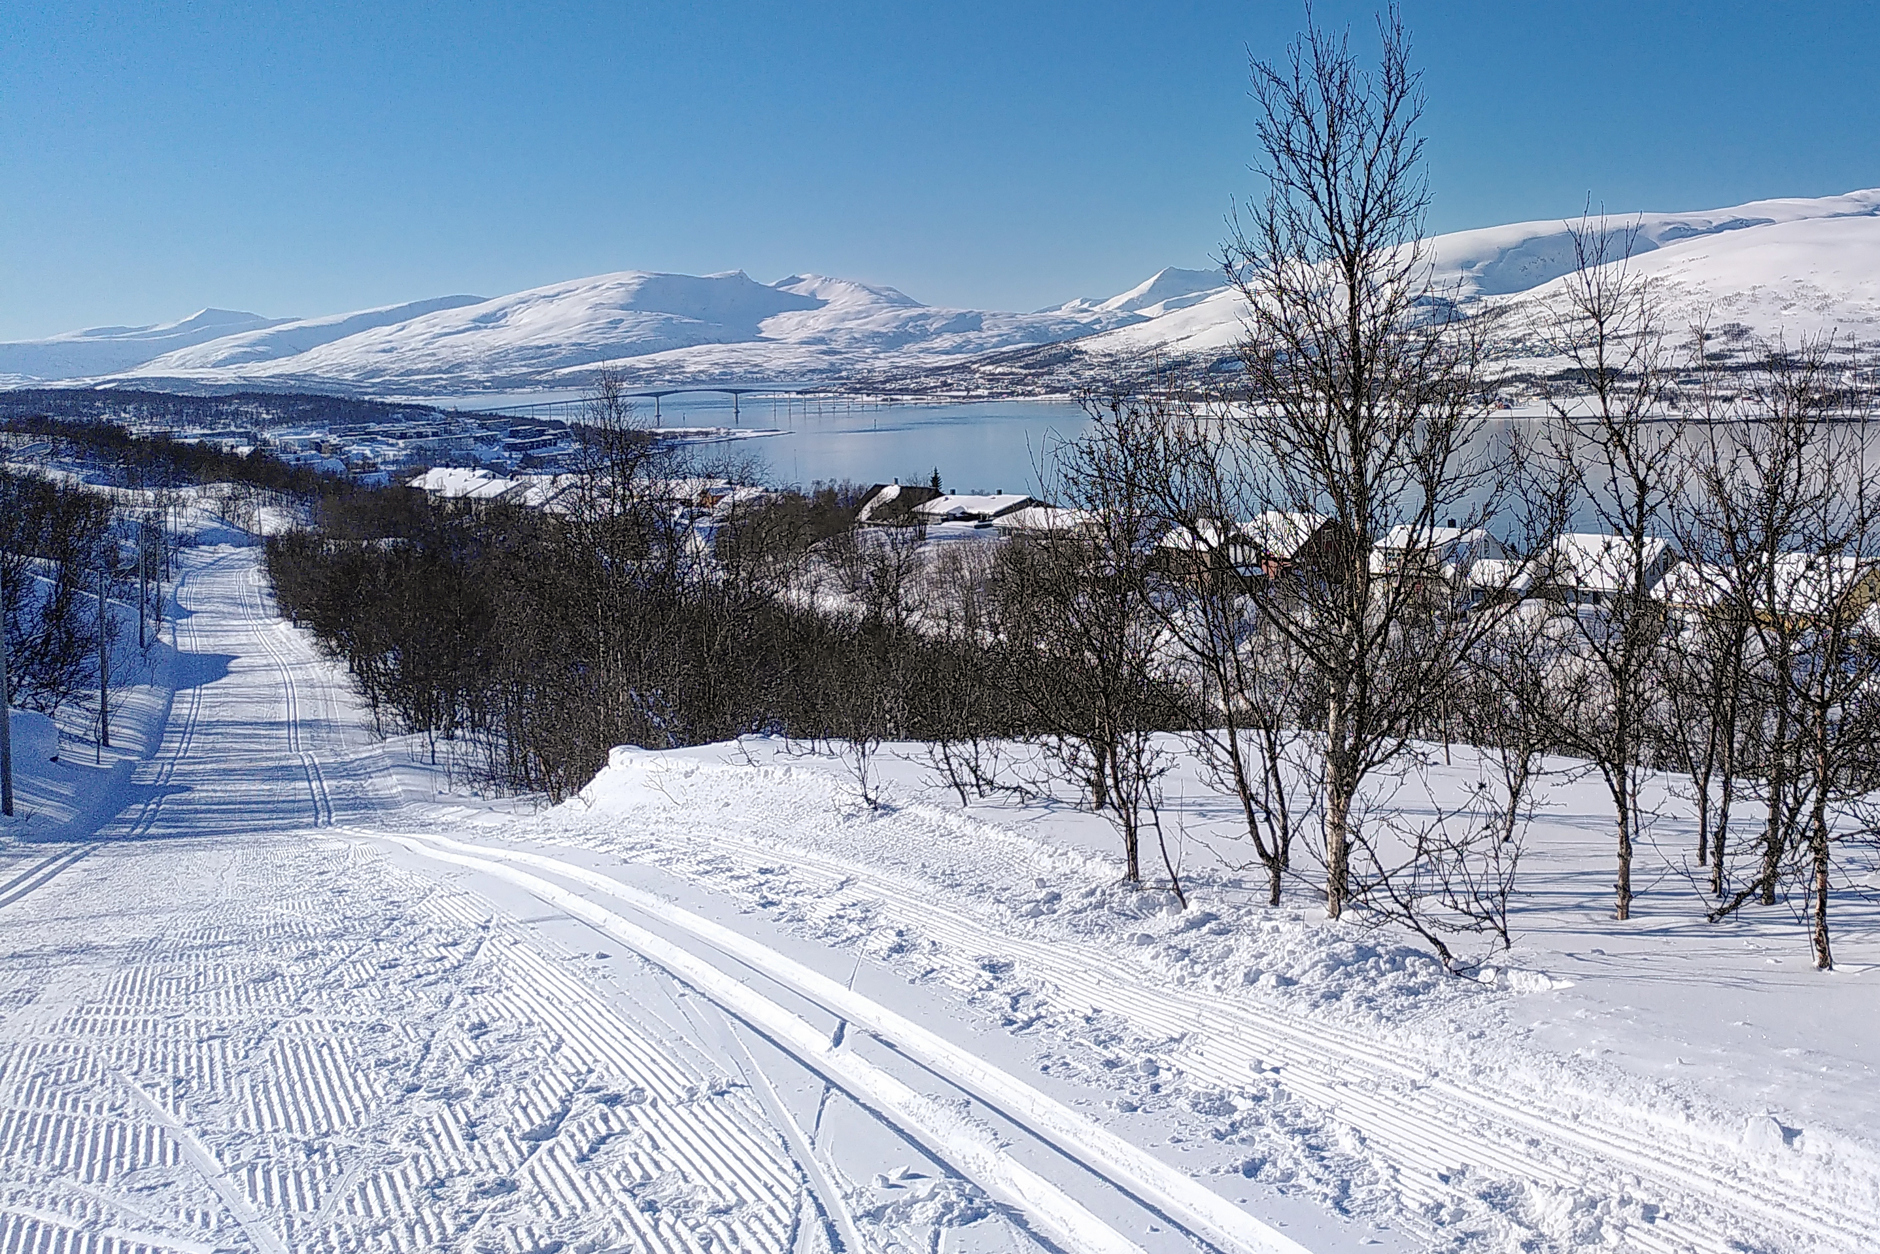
(1591, 568)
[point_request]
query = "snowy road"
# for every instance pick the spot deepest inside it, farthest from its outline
(287, 999)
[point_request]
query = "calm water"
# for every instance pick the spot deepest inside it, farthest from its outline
(984, 445)
(990, 445)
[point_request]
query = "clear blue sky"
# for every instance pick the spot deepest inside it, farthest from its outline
(311, 158)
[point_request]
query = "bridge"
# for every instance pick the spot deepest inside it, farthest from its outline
(571, 408)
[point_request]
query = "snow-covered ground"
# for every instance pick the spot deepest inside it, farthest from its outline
(270, 982)
(1791, 266)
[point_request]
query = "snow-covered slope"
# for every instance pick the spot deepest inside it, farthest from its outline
(658, 326)
(285, 339)
(105, 350)
(1797, 265)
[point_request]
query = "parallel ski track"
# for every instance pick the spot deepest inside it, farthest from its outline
(1426, 1126)
(177, 738)
(263, 622)
(1209, 1218)
(336, 1181)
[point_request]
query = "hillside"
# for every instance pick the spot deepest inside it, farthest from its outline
(1791, 265)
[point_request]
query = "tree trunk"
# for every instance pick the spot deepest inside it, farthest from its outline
(1818, 848)
(1774, 833)
(1621, 795)
(1824, 957)
(1340, 785)
(1719, 831)
(1702, 785)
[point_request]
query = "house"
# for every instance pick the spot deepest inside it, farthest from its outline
(892, 502)
(1288, 540)
(965, 507)
(1427, 551)
(1794, 589)
(1592, 568)
(1695, 589)
(1274, 542)
(1046, 520)
(1189, 550)
(463, 483)
(1449, 556)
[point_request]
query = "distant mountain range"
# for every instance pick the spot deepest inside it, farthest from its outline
(1795, 265)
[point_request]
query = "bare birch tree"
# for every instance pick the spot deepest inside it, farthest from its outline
(1620, 447)
(1365, 399)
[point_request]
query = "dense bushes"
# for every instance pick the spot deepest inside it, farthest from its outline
(542, 639)
(53, 542)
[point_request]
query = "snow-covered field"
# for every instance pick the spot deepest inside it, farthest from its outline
(267, 982)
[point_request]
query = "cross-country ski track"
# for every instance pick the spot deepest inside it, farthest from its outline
(283, 999)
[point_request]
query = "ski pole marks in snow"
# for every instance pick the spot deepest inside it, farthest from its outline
(1140, 1174)
(356, 1072)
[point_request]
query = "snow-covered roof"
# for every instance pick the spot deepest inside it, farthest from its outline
(1694, 585)
(1281, 532)
(465, 483)
(1197, 537)
(1446, 548)
(1406, 536)
(1596, 562)
(962, 505)
(1046, 518)
(879, 497)
(1802, 584)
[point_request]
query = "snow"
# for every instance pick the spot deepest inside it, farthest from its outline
(1166, 291)
(970, 505)
(689, 325)
(298, 336)
(105, 350)
(268, 981)
(1799, 266)
(35, 738)
(1601, 563)
(1282, 532)
(1045, 519)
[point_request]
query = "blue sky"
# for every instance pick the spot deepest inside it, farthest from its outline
(313, 158)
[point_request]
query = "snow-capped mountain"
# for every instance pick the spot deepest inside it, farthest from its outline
(1798, 265)
(294, 336)
(1776, 266)
(656, 327)
(106, 350)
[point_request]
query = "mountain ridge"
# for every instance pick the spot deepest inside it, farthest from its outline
(1802, 264)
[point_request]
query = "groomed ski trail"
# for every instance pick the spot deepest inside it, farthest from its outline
(1690, 1193)
(220, 1029)
(1133, 1171)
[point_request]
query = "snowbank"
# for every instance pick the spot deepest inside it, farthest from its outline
(35, 738)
